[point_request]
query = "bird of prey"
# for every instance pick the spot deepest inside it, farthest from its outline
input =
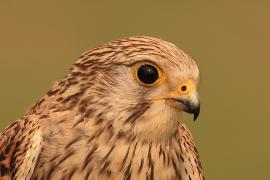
(116, 115)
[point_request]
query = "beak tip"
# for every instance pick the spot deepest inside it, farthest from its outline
(196, 113)
(190, 108)
(195, 117)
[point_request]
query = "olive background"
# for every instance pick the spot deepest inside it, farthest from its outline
(39, 40)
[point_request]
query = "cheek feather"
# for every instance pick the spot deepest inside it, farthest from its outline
(158, 123)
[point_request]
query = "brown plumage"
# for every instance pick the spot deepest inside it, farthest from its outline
(116, 115)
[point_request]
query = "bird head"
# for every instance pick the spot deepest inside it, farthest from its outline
(139, 86)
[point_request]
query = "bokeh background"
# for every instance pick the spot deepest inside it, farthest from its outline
(39, 40)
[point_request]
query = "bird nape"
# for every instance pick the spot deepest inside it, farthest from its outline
(116, 115)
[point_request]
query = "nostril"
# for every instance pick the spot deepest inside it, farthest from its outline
(183, 88)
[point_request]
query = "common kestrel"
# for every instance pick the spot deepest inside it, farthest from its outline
(116, 115)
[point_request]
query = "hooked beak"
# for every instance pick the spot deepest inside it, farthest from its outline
(186, 94)
(191, 107)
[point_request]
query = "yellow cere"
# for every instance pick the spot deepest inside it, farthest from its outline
(182, 89)
(186, 87)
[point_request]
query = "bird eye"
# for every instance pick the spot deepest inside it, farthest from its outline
(148, 74)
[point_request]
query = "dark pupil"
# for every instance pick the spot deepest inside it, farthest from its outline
(148, 74)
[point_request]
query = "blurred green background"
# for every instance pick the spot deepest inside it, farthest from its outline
(230, 40)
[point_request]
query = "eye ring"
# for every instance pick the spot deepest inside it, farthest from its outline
(147, 74)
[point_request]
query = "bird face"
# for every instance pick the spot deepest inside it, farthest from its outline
(183, 96)
(168, 89)
(142, 85)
